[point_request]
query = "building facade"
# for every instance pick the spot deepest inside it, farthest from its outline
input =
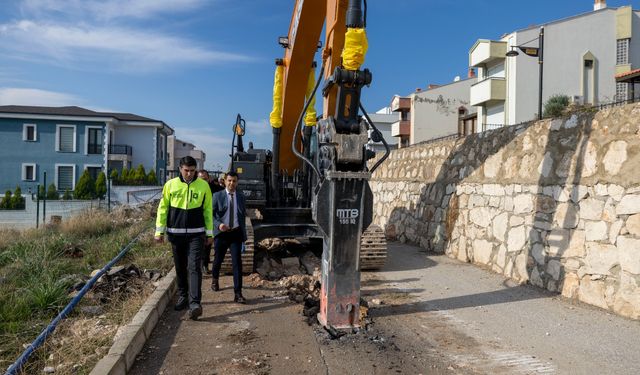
(436, 112)
(64, 141)
(581, 57)
(179, 149)
(383, 119)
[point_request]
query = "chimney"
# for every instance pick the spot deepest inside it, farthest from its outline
(599, 4)
(432, 86)
(472, 73)
(418, 89)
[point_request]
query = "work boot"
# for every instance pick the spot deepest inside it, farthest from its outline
(181, 304)
(195, 312)
(214, 285)
(239, 298)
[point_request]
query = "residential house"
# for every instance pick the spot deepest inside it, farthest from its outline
(438, 111)
(64, 141)
(581, 57)
(179, 149)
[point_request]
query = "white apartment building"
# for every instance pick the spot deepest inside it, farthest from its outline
(438, 111)
(581, 57)
(178, 149)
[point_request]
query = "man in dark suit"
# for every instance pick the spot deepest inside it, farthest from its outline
(229, 232)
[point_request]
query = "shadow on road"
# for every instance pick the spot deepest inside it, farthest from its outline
(519, 293)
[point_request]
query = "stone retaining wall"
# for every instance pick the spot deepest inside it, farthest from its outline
(555, 203)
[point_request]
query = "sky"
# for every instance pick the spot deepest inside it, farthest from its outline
(196, 64)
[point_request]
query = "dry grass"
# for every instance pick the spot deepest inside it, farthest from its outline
(79, 343)
(33, 259)
(8, 237)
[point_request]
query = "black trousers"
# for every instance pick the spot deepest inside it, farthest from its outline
(206, 256)
(229, 240)
(187, 257)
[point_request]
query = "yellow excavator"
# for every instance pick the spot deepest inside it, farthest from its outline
(314, 181)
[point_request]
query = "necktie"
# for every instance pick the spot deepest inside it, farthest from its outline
(232, 210)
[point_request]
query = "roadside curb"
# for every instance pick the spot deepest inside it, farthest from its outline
(132, 337)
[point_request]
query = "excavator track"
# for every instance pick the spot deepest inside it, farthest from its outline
(373, 248)
(247, 256)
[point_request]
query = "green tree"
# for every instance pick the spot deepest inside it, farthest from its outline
(124, 177)
(101, 185)
(42, 192)
(86, 186)
(17, 201)
(5, 204)
(151, 178)
(114, 176)
(52, 192)
(67, 195)
(139, 176)
(555, 105)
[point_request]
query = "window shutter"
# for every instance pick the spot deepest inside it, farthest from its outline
(66, 139)
(65, 178)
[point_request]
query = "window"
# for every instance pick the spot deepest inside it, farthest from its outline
(65, 177)
(66, 138)
(588, 63)
(28, 172)
(404, 115)
(29, 132)
(622, 51)
(161, 152)
(94, 140)
(621, 91)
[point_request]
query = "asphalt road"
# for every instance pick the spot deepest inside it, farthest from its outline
(484, 323)
(430, 315)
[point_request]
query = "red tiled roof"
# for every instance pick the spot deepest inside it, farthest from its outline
(620, 77)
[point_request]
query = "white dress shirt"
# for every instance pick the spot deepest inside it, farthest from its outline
(225, 218)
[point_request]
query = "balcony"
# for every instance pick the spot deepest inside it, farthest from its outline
(488, 91)
(401, 128)
(486, 51)
(400, 104)
(120, 150)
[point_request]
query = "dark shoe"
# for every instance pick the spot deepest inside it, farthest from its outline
(195, 312)
(182, 304)
(214, 285)
(239, 299)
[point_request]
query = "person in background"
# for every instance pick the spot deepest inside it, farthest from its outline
(206, 252)
(229, 233)
(185, 214)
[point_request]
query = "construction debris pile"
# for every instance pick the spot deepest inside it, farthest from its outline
(118, 281)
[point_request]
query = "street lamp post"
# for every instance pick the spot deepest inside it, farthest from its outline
(532, 51)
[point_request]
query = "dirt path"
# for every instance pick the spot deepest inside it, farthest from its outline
(430, 314)
(269, 335)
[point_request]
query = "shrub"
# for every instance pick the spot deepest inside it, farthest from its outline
(124, 176)
(151, 178)
(52, 192)
(67, 196)
(101, 185)
(86, 187)
(42, 192)
(555, 105)
(5, 204)
(114, 176)
(17, 201)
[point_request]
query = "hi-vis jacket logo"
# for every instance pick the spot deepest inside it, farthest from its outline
(347, 215)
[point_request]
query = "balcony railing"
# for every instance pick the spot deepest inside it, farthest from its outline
(120, 149)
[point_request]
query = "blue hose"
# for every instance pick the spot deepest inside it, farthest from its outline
(17, 365)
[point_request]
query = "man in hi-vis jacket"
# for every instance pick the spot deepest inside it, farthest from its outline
(185, 214)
